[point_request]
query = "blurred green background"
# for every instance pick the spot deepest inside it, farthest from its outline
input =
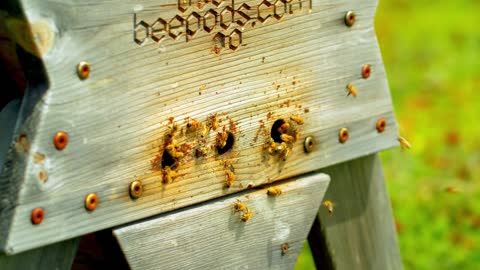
(431, 51)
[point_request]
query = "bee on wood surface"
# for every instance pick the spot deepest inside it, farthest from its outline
(270, 146)
(404, 143)
(329, 206)
(229, 178)
(222, 139)
(284, 154)
(168, 175)
(297, 119)
(201, 151)
(172, 150)
(239, 207)
(351, 90)
(284, 127)
(174, 129)
(296, 135)
(213, 121)
(274, 191)
(287, 138)
(193, 125)
(247, 215)
(280, 147)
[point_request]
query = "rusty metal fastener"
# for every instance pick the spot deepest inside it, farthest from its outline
(343, 135)
(366, 70)
(381, 125)
(308, 144)
(60, 140)
(350, 18)
(91, 201)
(37, 215)
(284, 248)
(83, 70)
(136, 189)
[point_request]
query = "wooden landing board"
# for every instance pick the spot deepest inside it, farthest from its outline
(360, 234)
(117, 118)
(212, 236)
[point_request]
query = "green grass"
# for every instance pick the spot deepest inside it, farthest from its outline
(431, 51)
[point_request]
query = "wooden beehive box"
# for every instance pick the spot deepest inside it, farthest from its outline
(195, 100)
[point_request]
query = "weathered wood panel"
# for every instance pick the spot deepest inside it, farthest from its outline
(212, 236)
(57, 256)
(360, 234)
(116, 119)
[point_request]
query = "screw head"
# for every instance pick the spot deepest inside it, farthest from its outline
(284, 248)
(350, 18)
(343, 135)
(381, 125)
(83, 70)
(91, 201)
(60, 140)
(37, 215)
(366, 70)
(136, 189)
(308, 144)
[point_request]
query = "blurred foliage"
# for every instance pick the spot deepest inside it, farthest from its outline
(431, 51)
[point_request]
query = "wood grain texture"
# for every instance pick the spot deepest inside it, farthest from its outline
(57, 256)
(360, 234)
(116, 119)
(212, 236)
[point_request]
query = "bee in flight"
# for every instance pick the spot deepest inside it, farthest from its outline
(329, 206)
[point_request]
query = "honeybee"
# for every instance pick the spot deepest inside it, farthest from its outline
(274, 191)
(168, 175)
(172, 150)
(284, 154)
(351, 90)
(283, 128)
(193, 125)
(296, 135)
(205, 131)
(229, 178)
(329, 206)
(222, 139)
(297, 119)
(404, 143)
(239, 206)
(451, 190)
(174, 129)
(280, 147)
(201, 152)
(247, 215)
(270, 146)
(287, 138)
(213, 122)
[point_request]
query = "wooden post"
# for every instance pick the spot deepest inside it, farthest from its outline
(360, 232)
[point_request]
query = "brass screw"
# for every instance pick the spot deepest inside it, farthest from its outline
(83, 70)
(308, 144)
(91, 201)
(60, 140)
(37, 215)
(366, 70)
(136, 189)
(350, 18)
(343, 135)
(381, 125)
(284, 248)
